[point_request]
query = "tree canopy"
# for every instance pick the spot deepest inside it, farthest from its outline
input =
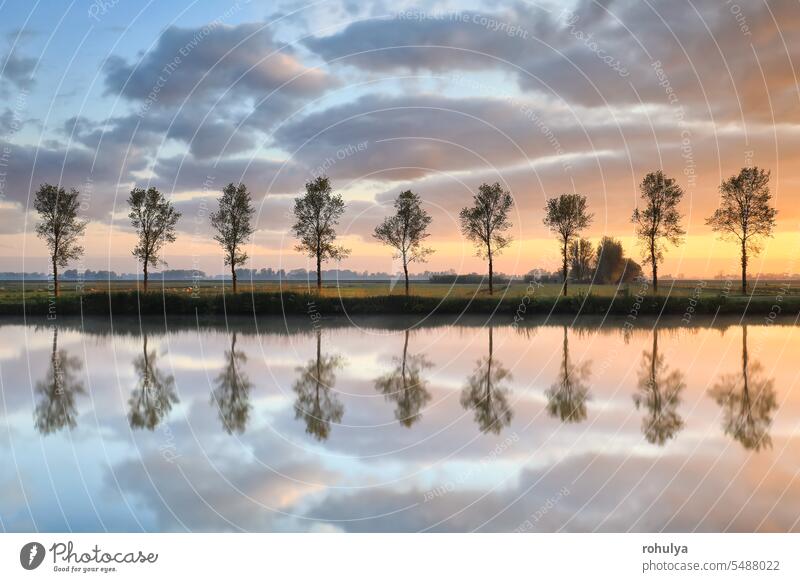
(317, 213)
(487, 221)
(233, 223)
(566, 216)
(659, 221)
(406, 230)
(154, 219)
(745, 214)
(59, 225)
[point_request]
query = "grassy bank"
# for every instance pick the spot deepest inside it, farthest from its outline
(514, 301)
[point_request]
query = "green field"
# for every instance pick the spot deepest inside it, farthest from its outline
(13, 290)
(376, 298)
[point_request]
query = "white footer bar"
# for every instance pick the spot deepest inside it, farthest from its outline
(401, 557)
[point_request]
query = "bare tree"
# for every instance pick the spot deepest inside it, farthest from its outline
(659, 221)
(154, 219)
(566, 216)
(59, 225)
(745, 214)
(232, 220)
(581, 256)
(317, 213)
(486, 221)
(406, 230)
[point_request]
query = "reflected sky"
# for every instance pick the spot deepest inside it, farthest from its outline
(391, 425)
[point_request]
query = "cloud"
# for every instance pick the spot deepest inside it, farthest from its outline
(592, 492)
(216, 88)
(412, 137)
(98, 176)
(245, 497)
(17, 70)
(10, 122)
(262, 176)
(239, 64)
(598, 55)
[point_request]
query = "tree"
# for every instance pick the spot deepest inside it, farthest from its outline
(581, 255)
(486, 395)
(486, 221)
(56, 408)
(405, 386)
(151, 401)
(232, 394)
(748, 402)
(611, 265)
(154, 219)
(745, 214)
(660, 393)
(59, 225)
(567, 397)
(406, 230)
(232, 222)
(659, 222)
(315, 403)
(317, 213)
(566, 216)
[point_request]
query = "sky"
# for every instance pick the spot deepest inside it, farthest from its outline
(438, 97)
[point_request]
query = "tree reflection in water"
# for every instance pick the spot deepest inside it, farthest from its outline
(315, 402)
(567, 397)
(405, 386)
(659, 392)
(748, 401)
(152, 399)
(231, 396)
(485, 394)
(55, 408)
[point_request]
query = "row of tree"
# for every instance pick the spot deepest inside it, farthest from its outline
(745, 214)
(748, 399)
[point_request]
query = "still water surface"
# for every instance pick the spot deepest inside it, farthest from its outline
(388, 425)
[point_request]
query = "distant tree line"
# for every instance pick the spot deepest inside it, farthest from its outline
(263, 274)
(745, 215)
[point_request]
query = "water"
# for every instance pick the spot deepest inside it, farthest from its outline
(370, 426)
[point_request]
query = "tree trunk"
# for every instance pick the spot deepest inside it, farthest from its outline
(655, 277)
(319, 273)
(405, 271)
(145, 277)
(744, 268)
(319, 355)
(744, 355)
(491, 268)
(564, 256)
(653, 362)
(654, 263)
(55, 277)
(233, 277)
(489, 369)
(405, 357)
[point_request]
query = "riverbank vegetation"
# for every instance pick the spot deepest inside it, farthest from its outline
(120, 298)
